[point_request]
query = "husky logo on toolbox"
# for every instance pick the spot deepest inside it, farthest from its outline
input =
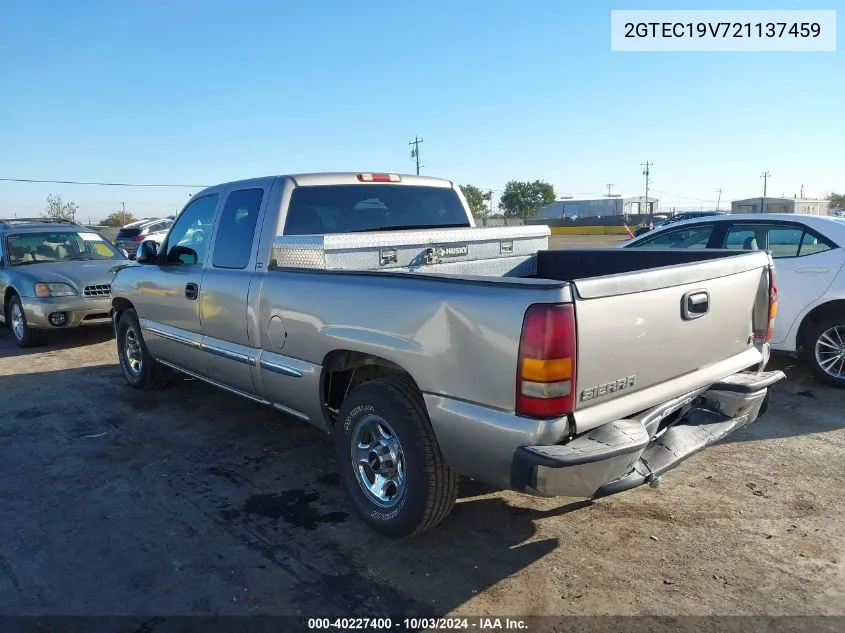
(453, 251)
(608, 387)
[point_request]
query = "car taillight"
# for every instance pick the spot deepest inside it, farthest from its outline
(546, 369)
(767, 336)
(138, 238)
(773, 304)
(379, 178)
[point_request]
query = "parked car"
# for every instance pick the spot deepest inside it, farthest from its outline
(679, 217)
(130, 236)
(809, 258)
(370, 306)
(54, 275)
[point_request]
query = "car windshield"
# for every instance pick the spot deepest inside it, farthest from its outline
(60, 246)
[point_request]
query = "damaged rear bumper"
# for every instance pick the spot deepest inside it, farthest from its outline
(628, 453)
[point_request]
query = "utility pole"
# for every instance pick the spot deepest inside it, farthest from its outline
(609, 187)
(646, 173)
(766, 175)
(415, 153)
(802, 191)
(719, 200)
(490, 200)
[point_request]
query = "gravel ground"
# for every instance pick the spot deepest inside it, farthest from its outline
(192, 501)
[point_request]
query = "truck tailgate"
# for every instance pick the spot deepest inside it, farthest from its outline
(645, 337)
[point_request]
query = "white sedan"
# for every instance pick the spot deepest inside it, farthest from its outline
(810, 273)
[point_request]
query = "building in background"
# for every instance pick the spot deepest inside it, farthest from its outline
(595, 207)
(804, 206)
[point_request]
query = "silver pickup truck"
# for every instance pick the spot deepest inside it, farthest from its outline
(372, 307)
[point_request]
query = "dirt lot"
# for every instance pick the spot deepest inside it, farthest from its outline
(192, 501)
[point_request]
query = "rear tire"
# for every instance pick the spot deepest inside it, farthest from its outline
(824, 350)
(140, 369)
(24, 335)
(383, 429)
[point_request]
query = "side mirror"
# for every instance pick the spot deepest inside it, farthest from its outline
(147, 252)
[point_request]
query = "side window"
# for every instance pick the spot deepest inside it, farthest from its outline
(233, 244)
(785, 241)
(686, 237)
(812, 244)
(742, 238)
(188, 241)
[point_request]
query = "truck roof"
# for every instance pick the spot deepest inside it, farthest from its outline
(310, 179)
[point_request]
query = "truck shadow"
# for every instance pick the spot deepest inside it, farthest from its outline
(55, 340)
(258, 490)
(800, 405)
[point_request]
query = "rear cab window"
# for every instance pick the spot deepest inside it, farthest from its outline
(320, 209)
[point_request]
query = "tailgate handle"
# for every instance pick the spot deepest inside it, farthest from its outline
(695, 304)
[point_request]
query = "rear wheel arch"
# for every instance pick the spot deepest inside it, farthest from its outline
(343, 370)
(815, 316)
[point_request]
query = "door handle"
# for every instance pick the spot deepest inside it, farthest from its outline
(695, 304)
(191, 291)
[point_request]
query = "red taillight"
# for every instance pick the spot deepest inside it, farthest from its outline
(379, 178)
(546, 369)
(767, 335)
(773, 304)
(138, 238)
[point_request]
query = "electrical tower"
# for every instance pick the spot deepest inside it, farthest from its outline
(415, 152)
(646, 173)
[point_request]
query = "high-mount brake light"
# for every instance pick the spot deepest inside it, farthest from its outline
(379, 178)
(546, 370)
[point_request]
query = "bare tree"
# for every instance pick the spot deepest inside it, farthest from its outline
(58, 209)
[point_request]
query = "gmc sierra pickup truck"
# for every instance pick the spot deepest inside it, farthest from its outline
(371, 306)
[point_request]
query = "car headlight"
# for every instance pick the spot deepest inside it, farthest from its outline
(54, 290)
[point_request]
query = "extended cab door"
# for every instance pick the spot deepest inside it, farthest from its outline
(167, 297)
(225, 293)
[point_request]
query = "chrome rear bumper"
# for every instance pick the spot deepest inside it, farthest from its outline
(628, 453)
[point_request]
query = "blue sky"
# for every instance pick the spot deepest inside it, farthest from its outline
(200, 92)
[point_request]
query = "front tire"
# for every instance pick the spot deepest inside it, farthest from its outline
(24, 335)
(390, 464)
(140, 369)
(824, 350)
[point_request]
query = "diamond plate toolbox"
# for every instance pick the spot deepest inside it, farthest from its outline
(414, 250)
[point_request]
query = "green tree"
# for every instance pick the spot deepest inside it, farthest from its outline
(523, 199)
(836, 201)
(58, 209)
(476, 199)
(119, 218)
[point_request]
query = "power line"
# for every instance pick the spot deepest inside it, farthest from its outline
(99, 184)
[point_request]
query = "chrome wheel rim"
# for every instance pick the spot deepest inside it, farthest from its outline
(17, 321)
(132, 352)
(378, 461)
(830, 351)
